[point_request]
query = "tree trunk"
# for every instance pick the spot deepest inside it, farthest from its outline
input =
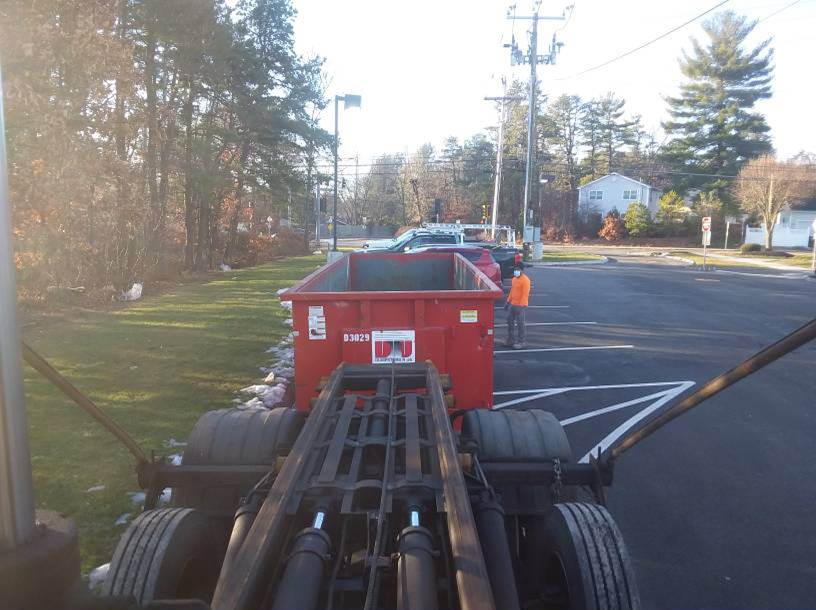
(189, 203)
(239, 203)
(769, 229)
(122, 268)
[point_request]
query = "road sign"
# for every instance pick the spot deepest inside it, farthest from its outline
(706, 238)
(706, 224)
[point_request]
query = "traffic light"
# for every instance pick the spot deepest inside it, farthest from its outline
(484, 213)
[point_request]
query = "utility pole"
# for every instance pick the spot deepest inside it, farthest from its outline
(503, 99)
(532, 58)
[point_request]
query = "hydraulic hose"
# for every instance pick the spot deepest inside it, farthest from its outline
(489, 516)
(762, 358)
(39, 364)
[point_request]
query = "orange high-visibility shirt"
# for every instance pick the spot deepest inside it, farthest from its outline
(520, 291)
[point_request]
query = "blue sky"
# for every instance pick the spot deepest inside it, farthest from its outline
(424, 66)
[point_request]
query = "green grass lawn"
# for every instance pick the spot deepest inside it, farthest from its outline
(154, 366)
(564, 256)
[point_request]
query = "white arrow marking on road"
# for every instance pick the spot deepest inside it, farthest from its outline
(610, 438)
(561, 349)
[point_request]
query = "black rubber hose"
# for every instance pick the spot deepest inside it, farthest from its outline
(302, 580)
(762, 358)
(416, 570)
(244, 517)
(42, 366)
(378, 421)
(489, 516)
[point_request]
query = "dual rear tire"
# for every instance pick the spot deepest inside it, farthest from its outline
(571, 555)
(176, 553)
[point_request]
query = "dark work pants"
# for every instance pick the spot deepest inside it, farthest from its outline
(515, 318)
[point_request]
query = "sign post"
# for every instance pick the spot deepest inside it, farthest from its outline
(813, 259)
(706, 238)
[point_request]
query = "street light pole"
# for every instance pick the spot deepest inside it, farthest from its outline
(349, 101)
(336, 138)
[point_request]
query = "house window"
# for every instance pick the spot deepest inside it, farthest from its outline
(595, 195)
(630, 195)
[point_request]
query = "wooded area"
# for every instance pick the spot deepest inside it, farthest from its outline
(143, 134)
(149, 137)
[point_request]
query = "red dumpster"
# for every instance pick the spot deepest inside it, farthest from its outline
(383, 308)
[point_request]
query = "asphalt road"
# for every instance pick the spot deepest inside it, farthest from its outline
(719, 507)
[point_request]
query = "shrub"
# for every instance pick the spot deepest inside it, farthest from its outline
(637, 219)
(750, 248)
(613, 228)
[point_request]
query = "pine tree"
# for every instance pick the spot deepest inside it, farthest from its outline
(713, 127)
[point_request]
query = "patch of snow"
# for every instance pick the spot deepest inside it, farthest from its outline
(288, 321)
(270, 377)
(286, 305)
(134, 294)
(280, 291)
(224, 267)
(255, 403)
(164, 497)
(275, 396)
(171, 442)
(95, 488)
(174, 459)
(137, 497)
(317, 252)
(122, 519)
(133, 367)
(97, 576)
(258, 389)
(237, 401)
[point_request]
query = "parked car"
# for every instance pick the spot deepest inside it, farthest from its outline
(417, 238)
(506, 256)
(480, 257)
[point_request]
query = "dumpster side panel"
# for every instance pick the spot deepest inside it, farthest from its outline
(455, 334)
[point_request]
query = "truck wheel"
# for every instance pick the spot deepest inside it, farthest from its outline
(233, 437)
(167, 553)
(515, 434)
(585, 561)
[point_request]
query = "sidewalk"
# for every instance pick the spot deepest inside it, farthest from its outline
(759, 262)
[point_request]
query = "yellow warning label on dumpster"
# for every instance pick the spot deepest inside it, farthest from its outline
(467, 316)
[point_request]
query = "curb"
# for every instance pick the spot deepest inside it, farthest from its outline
(600, 261)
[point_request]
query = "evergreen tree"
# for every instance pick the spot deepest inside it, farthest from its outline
(713, 127)
(637, 219)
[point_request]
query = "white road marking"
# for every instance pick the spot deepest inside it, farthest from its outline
(524, 399)
(615, 407)
(560, 349)
(543, 307)
(556, 323)
(610, 438)
(615, 386)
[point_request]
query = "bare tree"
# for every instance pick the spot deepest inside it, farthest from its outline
(766, 186)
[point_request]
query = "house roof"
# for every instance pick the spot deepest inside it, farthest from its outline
(618, 175)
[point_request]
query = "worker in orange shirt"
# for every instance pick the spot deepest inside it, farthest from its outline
(516, 306)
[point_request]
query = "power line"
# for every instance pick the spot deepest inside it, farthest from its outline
(646, 44)
(784, 8)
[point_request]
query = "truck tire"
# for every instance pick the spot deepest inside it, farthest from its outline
(233, 437)
(585, 560)
(515, 434)
(167, 553)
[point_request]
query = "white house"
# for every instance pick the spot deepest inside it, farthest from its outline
(616, 191)
(793, 229)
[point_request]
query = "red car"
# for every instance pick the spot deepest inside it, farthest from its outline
(480, 257)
